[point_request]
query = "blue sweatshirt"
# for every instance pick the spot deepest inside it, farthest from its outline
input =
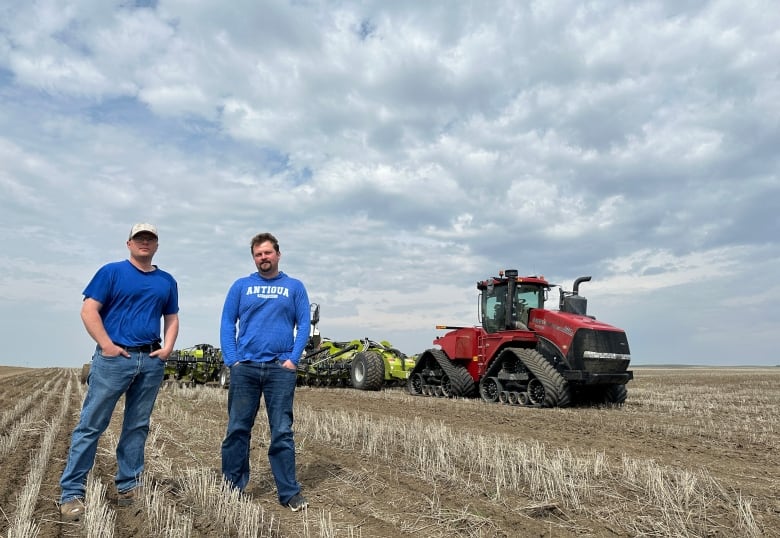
(272, 317)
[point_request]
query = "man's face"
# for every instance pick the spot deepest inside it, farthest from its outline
(143, 244)
(266, 258)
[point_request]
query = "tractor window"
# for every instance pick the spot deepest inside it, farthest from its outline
(493, 310)
(494, 307)
(529, 296)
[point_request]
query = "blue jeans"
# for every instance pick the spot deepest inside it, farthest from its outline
(138, 377)
(248, 381)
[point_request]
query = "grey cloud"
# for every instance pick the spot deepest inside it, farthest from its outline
(402, 151)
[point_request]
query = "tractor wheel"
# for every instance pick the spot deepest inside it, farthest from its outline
(415, 384)
(615, 395)
(556, 388)
(224, 377)
(368, 371)
(445, 387)
(460, 382)
(536, 392)
(85, 373)
(490, 388)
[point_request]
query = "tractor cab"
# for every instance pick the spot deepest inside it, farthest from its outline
(506, 300)
(524, 354)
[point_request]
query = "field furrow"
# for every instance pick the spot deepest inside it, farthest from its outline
(694, 452)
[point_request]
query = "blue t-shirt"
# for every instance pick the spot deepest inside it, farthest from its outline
(272, 316)
(133, 301)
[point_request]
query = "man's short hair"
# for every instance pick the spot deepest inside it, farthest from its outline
(262, 238)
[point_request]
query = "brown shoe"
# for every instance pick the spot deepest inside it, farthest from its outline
(72, 510)
(127, 498)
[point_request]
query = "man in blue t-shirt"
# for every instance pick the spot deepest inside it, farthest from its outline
(272, 313)
(122, 308)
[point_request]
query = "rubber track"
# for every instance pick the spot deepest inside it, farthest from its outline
(460, 380)
(556, 388)
(615, 394)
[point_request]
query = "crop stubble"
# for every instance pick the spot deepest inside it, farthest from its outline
(693, 452)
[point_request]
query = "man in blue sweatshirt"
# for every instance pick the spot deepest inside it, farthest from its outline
(272, 313)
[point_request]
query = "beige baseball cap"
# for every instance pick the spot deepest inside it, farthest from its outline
(143, 227)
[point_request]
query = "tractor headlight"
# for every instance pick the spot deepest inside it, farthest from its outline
(602, 355)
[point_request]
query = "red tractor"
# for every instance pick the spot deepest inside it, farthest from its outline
(524, 354)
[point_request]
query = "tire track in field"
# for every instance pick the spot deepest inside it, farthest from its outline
(18, 465)
(353, 494)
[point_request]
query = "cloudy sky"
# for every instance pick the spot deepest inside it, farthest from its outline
(400, 151)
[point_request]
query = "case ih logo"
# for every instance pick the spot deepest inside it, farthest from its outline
(565, 330)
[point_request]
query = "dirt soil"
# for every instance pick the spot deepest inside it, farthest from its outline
(693, 420)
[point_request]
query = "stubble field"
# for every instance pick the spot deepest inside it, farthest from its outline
(693, 452)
